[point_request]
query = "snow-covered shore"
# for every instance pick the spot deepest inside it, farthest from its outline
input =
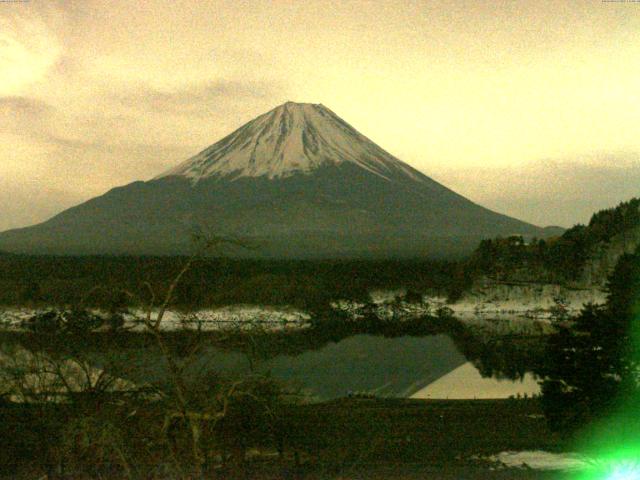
(499, 308)
(231, 317)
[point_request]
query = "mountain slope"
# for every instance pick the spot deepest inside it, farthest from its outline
(299, 180)
(292, 138)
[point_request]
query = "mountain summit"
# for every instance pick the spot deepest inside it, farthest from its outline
(292, 138)
(299, 180)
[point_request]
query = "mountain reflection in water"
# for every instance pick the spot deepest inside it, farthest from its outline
(325, 365)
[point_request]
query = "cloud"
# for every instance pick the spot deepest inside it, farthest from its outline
(19, 105)
(28, 49)
(26, 117)
(129, 133)
(199, 100)
(553, 191)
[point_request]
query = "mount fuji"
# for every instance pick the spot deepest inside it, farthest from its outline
(298, 180)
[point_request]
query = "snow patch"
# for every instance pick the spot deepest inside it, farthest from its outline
(230, 317)
(541, 460)
(292, 138)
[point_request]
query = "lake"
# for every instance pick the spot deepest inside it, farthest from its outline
(463, 363)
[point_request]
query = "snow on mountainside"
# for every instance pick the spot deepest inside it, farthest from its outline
(291, 138)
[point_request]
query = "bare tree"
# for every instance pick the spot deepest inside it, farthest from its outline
(185, 406)
(193, 414)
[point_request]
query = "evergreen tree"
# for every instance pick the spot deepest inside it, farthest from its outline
(592, 360)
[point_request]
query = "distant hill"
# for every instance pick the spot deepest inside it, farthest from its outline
(299, 181)
(583, 254)
(552, 231)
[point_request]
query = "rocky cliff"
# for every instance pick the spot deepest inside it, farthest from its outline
(490, 296)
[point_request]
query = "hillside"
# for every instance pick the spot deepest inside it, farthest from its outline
(572, 269)
(583, 254)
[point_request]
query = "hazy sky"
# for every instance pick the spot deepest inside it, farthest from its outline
(529, 107)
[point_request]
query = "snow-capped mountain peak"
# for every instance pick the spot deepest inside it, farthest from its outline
(299, 181)
(292, 138)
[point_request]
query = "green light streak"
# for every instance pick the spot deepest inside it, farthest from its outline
(612, 446)
(612, 469)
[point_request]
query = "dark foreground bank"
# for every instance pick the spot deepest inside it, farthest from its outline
(348, 438)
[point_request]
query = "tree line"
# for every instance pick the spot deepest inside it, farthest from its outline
(558, 259)
(62, 280)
